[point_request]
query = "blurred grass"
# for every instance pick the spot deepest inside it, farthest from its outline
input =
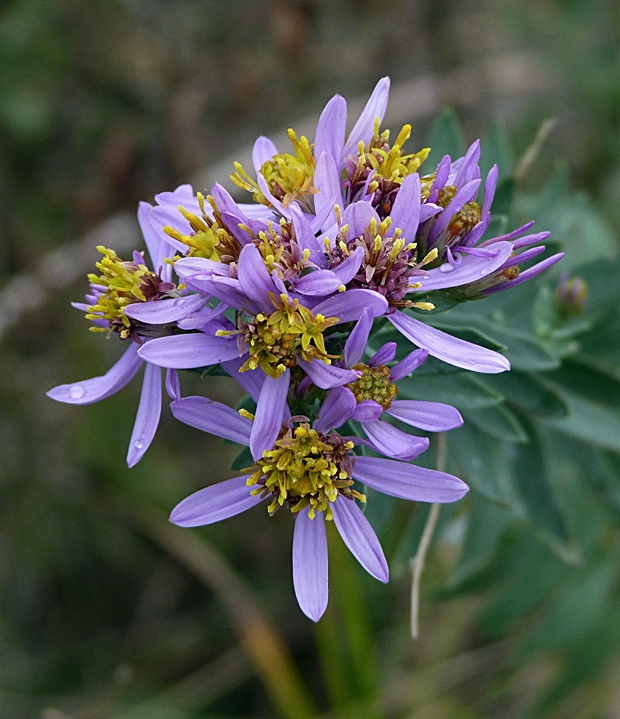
(105, 610)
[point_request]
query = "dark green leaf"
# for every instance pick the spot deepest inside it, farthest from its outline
(528, 392)
(445, 138)
(242, 460)
(461, 389)
(482, 462)
(499, 422)
(497, 150)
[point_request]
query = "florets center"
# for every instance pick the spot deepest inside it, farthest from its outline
(374, 384)
(305, 468)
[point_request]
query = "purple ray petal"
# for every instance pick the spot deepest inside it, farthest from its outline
(349, 268)
(367, 411)
(364, 128)
(173, 384)
(471, 269)
(269, 413)
(526, 275)
(358, 216)
(463, 196)
(471, 158)
(160, 217)
(251, 380)
(214, 503)
(327, 182)
(356, 343)
(189, 351)
(156, 245)
(524, 256)
(428, 210)
(406, 210)
(97, 388)
(147, 418)
(327, 376)
(213, 417)
(335, 410)
(392, 442)
(449, 349)
(182, 192)
(162, 312)
(489, 189)
(318, 283)
(226, 290)
(310, 564)
(407, 481)
(254, 277)
(188, 266)
(530, 240)
(263, 150)
(383, 355)
(348, 306)
(407, 365)
(431, 416)
(360, 538)
(305, 236)
(202, 317)
(330, 129)
(232, 214)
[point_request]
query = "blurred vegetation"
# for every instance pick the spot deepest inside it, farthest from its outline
(109, 612)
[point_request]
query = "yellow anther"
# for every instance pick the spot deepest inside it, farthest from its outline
(423, 305)
(430, 256)
(246, 414)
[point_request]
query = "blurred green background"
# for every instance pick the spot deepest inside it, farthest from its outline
(109, 612)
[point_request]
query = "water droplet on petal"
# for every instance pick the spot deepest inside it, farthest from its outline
(483, 273)
(77, 391)
(138, 444)
(446, 267)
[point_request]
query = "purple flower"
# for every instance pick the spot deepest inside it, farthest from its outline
(136, 303)
(311, 472)
(374, 393)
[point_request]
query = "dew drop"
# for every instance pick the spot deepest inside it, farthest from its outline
(138, 444)
(77, 391)
(483, 273)
(446, 267)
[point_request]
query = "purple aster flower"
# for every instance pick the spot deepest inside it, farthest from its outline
(374, 393)
(311, 472)
(138, 304)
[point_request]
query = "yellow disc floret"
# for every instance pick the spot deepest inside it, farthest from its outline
(120, 284)
(305, 468)
(374, 384)
(289, 177)
(275, 341)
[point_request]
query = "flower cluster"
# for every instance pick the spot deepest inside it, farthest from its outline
(343, 237)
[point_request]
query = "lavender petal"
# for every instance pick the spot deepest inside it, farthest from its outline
(188, 351)
(360, 538)
(407, 365)
(358, 216)
(331, 128)
(431, 416)
(163, 312)
(383, 355)
(463, 196)
(348, 306)
(392, 442)
(399, 479)
(263, 150)
(214, 503)
(254, 277)
(449, 349)
(173, 384)
(327, 376)
(213, 417)
(350, 267)
(375, 107)
(471, 269)
(367, 411)
(318, 283)
(406, 210)
(356, 342)
(269, 413)
(310, 564)
(336, 409)
(98, 388)
(251, 380)
(327, 182)
(147, 418)
(526, 275)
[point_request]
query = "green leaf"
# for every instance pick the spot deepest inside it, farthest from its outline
(536, 490)
(498, 422)
(242, 459)
(445, 138)
(482, 462)
(486, 524)
(528, 392)
(460, 389)
(496, 149)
